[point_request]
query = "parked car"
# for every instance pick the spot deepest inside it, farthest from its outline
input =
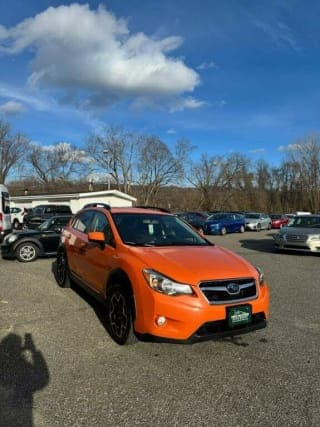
(158, 277)
(17, 217)
(40, 213)
(278, 220)
(28, 245)
(224, 222)
(257, 221)
(5, 217)
(196, 219)
(301, 234)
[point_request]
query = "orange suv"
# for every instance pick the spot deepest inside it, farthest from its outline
(158, 277)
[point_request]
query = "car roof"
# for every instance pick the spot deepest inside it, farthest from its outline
(133, 210)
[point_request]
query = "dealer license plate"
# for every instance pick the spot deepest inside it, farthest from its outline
(239, 315)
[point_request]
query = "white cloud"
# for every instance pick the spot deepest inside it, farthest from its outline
(171, 132)
(12, 108)
(280, 34)
(92, 55)
(188, 103)
(21, 96)
(207, 65)
(289, 147)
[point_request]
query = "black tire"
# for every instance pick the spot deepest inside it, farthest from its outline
(242, 228)
(120, 315)
(62, 271)
(223, 231)
(27, 252)
(16, 224)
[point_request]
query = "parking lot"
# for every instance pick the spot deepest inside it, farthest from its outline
(58, 366)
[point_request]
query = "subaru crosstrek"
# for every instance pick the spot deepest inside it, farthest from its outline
(159, 278)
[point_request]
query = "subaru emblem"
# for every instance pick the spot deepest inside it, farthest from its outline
(233, 288)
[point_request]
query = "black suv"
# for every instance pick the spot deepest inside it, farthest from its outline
(40, 213)
(28, 245)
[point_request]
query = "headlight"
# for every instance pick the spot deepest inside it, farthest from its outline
(261, 275)
(11, 238)
(315, 237)
(164, 285)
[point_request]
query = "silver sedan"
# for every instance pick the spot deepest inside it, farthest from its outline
(257, 221)
(301, 234)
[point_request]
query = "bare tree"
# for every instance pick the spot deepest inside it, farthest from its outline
(115, 152)
(217, 177)
(158, 166)
(308, 156)
(60, 161)
(12, 150)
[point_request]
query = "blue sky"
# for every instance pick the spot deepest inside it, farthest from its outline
(230, 76)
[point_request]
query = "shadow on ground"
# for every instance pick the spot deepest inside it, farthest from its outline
(23, 371)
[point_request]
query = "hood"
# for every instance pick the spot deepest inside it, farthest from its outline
(26, 233)
(299, 230)
(251, 220)
(190, 264)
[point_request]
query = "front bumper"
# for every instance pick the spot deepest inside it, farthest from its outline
(215, 330)
(6, 251)
(190, 319)
(252, 227)
(307, 246)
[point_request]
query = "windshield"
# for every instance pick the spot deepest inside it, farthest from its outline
(46, 224)
(275, 216)
(252, 216)
(305, 221)
(218, 216)
(156, 230)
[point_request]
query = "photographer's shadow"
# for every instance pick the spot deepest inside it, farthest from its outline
(23, 371)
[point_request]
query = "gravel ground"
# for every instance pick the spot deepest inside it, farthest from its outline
(59, 367)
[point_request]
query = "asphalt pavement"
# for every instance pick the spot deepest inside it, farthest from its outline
(59, 367)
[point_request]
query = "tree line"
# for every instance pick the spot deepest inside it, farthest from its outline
(147, 168)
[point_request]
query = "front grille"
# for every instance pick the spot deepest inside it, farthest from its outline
(296, 237)
(216, 291)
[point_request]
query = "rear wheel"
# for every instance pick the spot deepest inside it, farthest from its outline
(120, 315)
(223, 231)
(27, 252)
(62, 271)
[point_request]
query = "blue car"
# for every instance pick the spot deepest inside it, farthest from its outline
(224, 222)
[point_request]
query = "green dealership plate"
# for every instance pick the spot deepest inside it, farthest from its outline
(239, 315)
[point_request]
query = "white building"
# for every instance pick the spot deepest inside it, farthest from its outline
(75, 200)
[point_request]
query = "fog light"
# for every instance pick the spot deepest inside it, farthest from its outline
(161, 320)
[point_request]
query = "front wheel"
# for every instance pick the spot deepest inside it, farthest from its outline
(120, 314)
(27, 252)
(62, 271)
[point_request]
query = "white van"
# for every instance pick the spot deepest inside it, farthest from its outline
(5, 217)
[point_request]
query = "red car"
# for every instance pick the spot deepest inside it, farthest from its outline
(278, 220)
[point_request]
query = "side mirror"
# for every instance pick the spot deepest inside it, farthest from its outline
(97, 237)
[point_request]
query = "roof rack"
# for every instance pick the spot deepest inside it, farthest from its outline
(156, 208)
(97, 205)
